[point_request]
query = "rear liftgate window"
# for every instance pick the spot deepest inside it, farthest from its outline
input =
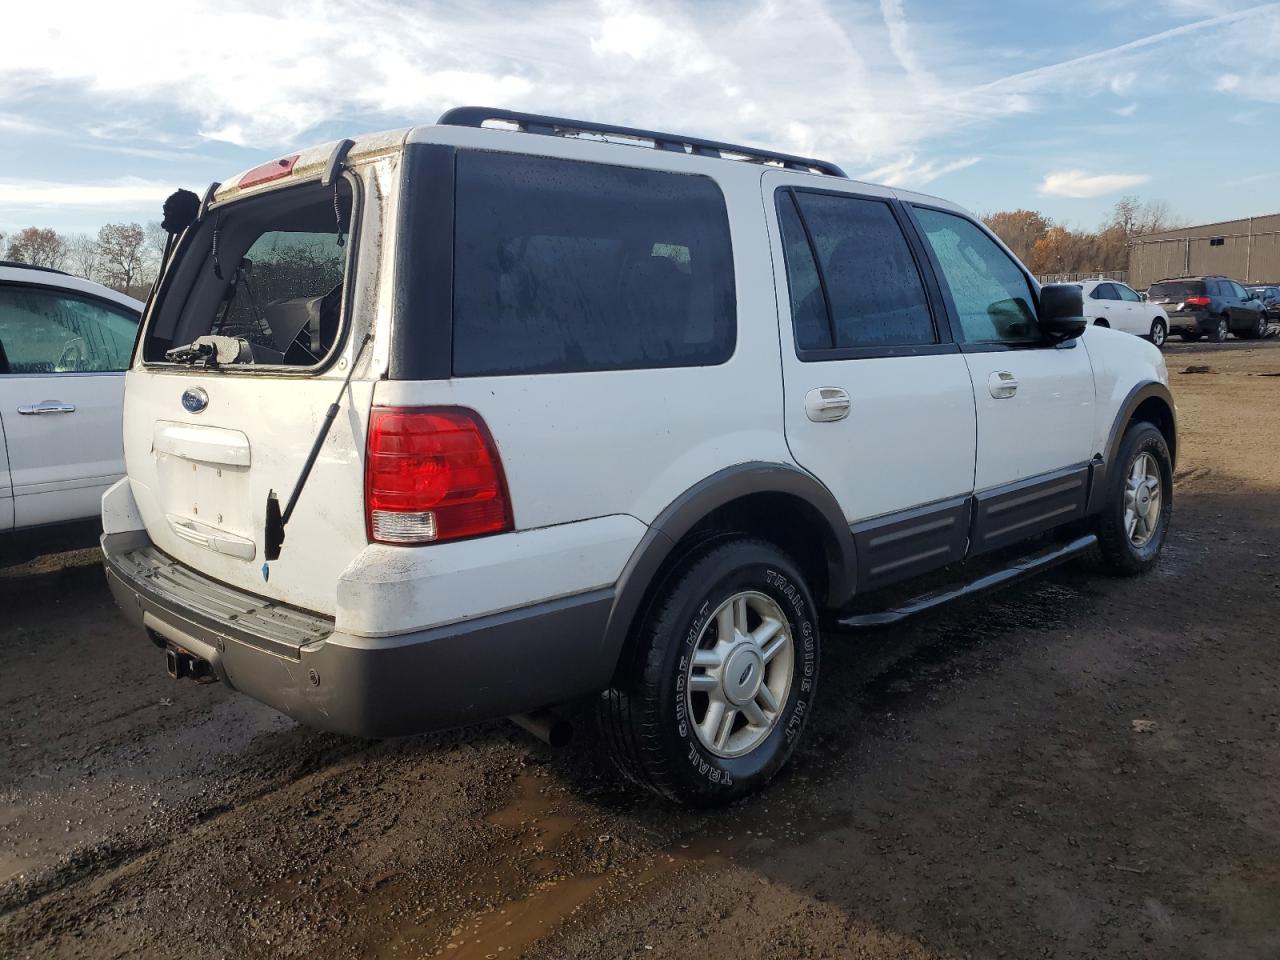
(260, 283)
(564, 266)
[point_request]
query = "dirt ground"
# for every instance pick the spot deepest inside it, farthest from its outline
(1076, 767)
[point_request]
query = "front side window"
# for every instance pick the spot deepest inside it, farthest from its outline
(566, 266)
(54, 331)
(260, 282)
(1126, 293)
(991, 294)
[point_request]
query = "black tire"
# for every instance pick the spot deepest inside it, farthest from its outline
(1221, 327)
(1159, 333)
(1118, 553)
(1255, 332)
(647, 716)
(1189, 337)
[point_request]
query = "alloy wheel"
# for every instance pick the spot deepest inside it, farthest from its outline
(740, 674)
(1142, 500)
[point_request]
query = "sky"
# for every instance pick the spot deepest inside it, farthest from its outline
(105, 108)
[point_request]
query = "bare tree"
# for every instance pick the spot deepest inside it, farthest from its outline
(120, 254)
(40, 247)
(82, 255)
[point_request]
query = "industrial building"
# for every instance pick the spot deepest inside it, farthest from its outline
(1246, 250)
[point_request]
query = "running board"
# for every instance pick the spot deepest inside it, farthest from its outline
(1021, 567)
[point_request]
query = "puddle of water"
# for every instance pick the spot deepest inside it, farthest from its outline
(534, 811)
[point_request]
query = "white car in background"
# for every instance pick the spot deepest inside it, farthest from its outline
(64, 346)
(1110, 303)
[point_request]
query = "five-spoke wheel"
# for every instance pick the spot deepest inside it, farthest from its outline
(740, 674)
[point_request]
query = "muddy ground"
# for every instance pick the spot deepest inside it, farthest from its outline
(1076, 767)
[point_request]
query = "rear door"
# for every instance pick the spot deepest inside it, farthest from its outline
(60, 399)
(1133, 313)
(6, 486)
(878, 402)
(1034, 400)
(1103, 304)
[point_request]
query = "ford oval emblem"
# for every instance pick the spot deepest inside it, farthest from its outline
(195, 400)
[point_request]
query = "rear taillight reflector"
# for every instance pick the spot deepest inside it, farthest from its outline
(432, 474)
(1196, 301)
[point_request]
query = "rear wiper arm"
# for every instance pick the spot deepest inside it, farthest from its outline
(205, 354)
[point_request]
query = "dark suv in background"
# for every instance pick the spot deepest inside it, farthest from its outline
(1270, 297)
(1210, 306)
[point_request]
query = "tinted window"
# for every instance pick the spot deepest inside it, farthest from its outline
(991, 294)
(808, 305)
(876, 296)
(1236, 290)
(565, 266)
(1178, 289)
(51, 331)
(1105, 291)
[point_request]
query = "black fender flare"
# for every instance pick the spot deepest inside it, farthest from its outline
(1139, 395)
(717, 490)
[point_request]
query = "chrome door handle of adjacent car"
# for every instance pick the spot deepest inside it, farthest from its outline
(1002, 384)
(47, 406)
(826, 404)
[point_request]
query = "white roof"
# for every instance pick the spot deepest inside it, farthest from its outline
(61, 281)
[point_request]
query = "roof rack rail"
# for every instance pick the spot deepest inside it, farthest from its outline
(559, 126)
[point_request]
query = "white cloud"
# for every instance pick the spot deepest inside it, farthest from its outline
(1122, 83)
(1080, 185)
(31, 194)
(1227, 82)
(908, 172)
(1128, 110)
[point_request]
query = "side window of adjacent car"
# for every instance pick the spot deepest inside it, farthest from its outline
(45, 331)
(854, 282)
(1104, 291)
(991, 295)
(1126, 293)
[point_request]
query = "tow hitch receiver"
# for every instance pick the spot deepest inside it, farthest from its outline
(181, 664)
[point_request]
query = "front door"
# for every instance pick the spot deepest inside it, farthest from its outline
(878, 402)
(61, 389)
(1034, 399)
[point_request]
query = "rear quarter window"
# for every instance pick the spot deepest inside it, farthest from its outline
(563, 266)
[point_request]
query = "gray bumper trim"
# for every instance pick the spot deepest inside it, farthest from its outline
(448, 676)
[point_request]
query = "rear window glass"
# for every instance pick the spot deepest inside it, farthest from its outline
(565, 266)
(259, 283)
(1176, 288)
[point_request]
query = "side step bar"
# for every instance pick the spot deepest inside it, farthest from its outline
(1021, 567)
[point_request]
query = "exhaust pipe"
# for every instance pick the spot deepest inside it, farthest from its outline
(551, 729)
(182, 664)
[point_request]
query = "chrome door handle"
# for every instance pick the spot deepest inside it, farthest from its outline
(826, 404)
(47, 406)
(1002, 384)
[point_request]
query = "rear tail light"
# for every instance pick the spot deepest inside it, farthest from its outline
(432, 474)
(1196, 301)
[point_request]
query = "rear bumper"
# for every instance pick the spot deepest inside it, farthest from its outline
(1188, 322)
(491, 666)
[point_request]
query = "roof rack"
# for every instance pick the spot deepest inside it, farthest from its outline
(561, 126)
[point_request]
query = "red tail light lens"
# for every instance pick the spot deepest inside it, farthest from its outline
(1196, 301)
(432, 474)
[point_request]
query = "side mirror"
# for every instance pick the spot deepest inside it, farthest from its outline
(1061, 312)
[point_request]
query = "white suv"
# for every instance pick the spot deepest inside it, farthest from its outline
(64, 345)
(620, 414)
(1110, 303)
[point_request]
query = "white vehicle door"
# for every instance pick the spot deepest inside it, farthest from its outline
(1132, 313)
(62, 355)
(6, 486)
(1034, 399)
(1102, 304)
(878, 403)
